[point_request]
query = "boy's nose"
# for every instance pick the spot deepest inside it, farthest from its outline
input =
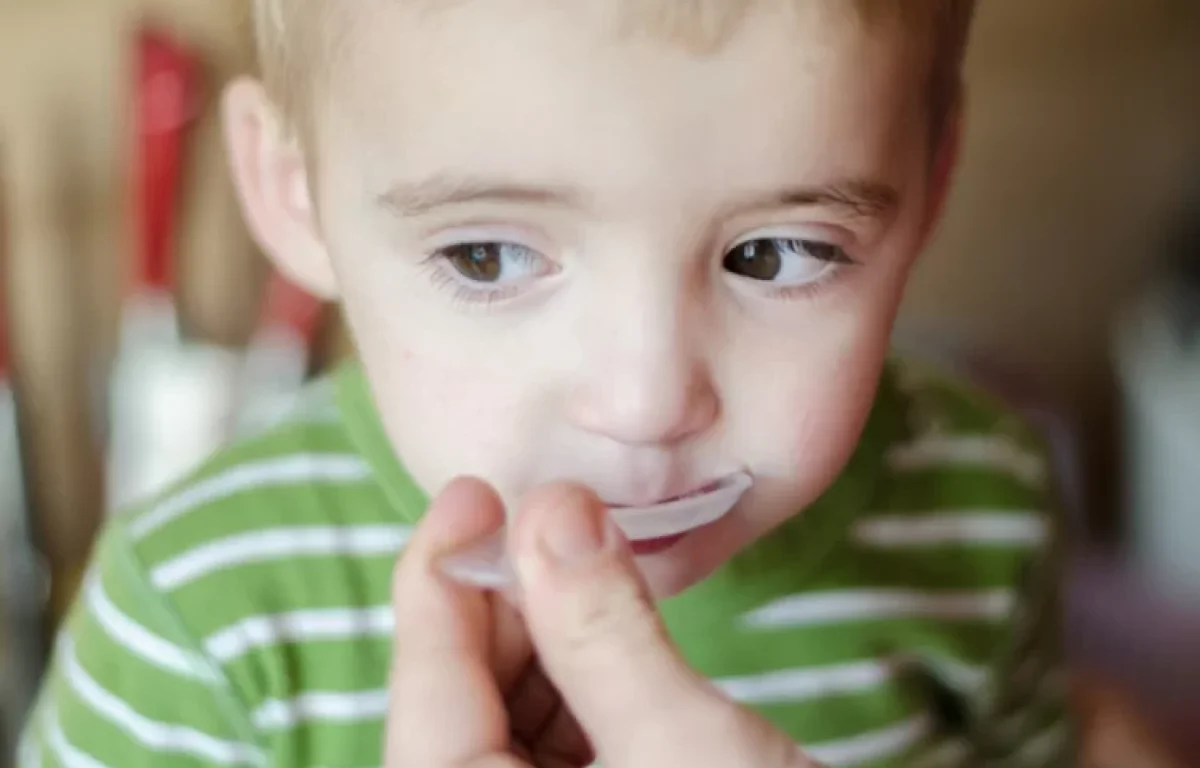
(645, 386)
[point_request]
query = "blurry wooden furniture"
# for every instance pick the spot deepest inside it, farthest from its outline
(65, 97)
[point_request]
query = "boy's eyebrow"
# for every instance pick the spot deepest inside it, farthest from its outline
(857, 197)
(420, 197)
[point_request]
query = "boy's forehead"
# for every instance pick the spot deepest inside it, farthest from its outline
(480, 83)
(697, 24)
(450, 44)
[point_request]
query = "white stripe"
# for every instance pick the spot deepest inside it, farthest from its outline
(277, 714)
(873, 746)
(158, 736)
(861, 605)
(29, 755)
(987, 451)
(299, 626)
(288, 470)
(66, 753)
(143, 643)
(1023, 529)
(278, 544)
(791, 685)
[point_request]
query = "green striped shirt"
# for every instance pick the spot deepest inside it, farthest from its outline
(910, 617)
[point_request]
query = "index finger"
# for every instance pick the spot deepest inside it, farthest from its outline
(445, 705)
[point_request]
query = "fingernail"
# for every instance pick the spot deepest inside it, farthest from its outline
(573, 535)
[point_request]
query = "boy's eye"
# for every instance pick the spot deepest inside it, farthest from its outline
(493, 262)
(783, 260)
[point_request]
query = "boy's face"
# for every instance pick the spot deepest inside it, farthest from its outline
(567, 254)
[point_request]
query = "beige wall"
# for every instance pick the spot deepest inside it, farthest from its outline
(1084, 126)
(65, 101)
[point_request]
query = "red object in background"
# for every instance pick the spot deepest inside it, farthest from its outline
(168, 90)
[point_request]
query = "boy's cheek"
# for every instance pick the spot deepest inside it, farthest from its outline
(797, 416)
(446, 420)
(804, 442)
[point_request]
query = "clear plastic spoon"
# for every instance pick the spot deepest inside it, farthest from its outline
(487, 565)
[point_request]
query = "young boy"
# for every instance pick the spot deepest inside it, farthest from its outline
(639, 244)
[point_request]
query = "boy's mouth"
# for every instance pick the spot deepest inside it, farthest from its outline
(654, 527)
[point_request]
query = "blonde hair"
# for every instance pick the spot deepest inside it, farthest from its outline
(288, 32)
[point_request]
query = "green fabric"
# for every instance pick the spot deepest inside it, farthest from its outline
(909, 617)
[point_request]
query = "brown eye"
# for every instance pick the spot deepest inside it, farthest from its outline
(478, 262)
(488, 270)
(496, 262)
(789, 261)
(756, 259)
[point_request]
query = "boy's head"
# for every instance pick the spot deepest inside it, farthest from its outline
(635, 243)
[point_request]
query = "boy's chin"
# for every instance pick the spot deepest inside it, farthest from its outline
(673, 571)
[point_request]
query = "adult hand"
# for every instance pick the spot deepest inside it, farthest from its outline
(469, 690)
(466, 689)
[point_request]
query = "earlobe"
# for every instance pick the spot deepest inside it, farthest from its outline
(271, 178)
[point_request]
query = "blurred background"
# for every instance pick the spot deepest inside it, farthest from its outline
(1067, 279)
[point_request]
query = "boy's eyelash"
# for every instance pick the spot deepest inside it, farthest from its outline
(439, 273)
(817, 287)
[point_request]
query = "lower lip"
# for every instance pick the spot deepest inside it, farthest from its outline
(655, 546)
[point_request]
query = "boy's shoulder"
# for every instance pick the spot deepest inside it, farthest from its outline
(942, 399)
(305, 451)
(951, 423)
(287, 520)
(966, 469)
(246, 602)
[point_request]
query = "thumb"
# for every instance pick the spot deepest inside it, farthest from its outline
(601, 641)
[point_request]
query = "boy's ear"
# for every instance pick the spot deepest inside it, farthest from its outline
(271, 179)
(945, 162)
